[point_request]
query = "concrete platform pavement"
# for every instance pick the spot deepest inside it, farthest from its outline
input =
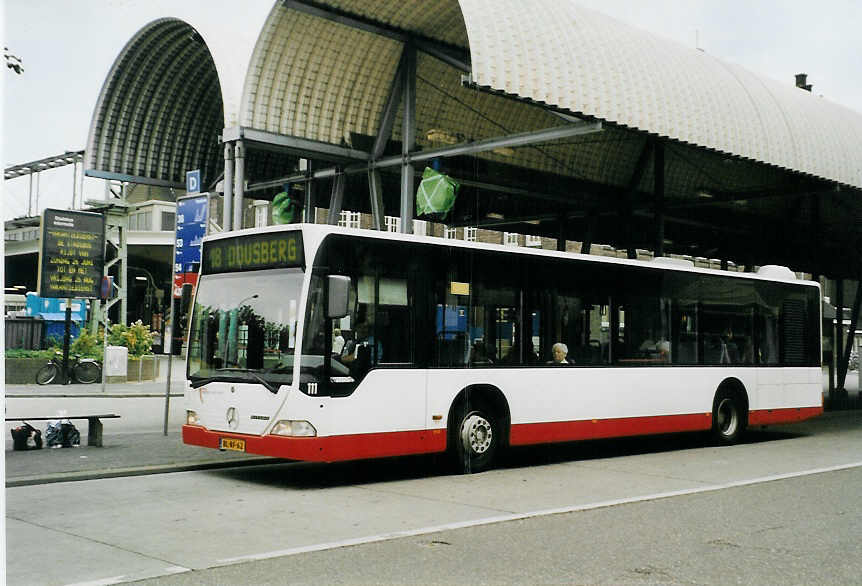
(124, 453)
(132, 454)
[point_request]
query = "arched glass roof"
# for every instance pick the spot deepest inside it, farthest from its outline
(160, 110)
(584, 62)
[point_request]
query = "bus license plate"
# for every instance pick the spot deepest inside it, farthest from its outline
(229, 443)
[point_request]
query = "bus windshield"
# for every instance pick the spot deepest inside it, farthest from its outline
(243, 327)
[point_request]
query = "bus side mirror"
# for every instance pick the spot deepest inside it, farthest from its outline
(339, 294)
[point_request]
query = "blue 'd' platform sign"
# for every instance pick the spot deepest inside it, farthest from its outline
(193, 181)
(192, 218)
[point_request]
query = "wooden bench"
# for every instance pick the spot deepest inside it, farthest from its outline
(94, 427)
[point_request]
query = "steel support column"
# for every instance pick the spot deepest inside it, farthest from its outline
(658, 194)
(376, 192)
(227, 204)
(561, 235)
(627, 206)
(590, 232)
(239, 185)
(308, 204)
(335, 199)
(844, 357)
(408, 138)
(838, 343)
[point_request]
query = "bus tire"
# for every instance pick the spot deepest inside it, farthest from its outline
(476, 438)
(728, 418)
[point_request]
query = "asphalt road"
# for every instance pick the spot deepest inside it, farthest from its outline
(803, 530)
(781, 508)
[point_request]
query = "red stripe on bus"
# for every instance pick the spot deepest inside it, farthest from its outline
(791, 415)
(327, 449)
(567, 431)
(402, 443)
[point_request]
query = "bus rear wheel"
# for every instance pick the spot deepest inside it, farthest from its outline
(728, 419)
(476, 439)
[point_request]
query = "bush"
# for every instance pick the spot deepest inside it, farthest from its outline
(22, 353)
(137, 338)
(87, 345)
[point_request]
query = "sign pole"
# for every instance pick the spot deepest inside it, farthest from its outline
(169, 338)
(66, 336)
(168, 330)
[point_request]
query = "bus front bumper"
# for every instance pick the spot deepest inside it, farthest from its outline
(321, 449)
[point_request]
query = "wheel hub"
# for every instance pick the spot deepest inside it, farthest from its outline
(727, 417)
(477, 433)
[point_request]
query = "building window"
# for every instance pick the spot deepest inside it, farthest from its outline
(349, 219)
(392, 223)
(534, 241)
(141, 221)
(420, 227)
(261, 215)
(510, 238)
(470, 233)
(449, 232)
(168, 221)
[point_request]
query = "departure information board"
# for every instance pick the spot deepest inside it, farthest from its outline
(72, 256)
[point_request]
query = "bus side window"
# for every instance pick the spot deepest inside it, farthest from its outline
(393, 323)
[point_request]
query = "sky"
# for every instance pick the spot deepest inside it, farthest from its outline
(68, 47)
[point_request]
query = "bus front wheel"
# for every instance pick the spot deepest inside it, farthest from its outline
(476, 439)
(728, 418)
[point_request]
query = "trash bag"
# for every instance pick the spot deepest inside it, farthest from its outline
(436, 193)
(61, 433)
(286, 207)
(53, 434)
(71, 436)
(26, 437)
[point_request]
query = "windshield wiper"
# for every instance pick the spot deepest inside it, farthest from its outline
(270, 386)
(280, 367)
(201, 381)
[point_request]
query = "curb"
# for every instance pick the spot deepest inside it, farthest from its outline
(20, 395)
(135, 471)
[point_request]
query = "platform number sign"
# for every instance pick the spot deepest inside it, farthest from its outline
(192, 218)
(193, 181)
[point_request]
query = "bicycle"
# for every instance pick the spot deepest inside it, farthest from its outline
(86, 370)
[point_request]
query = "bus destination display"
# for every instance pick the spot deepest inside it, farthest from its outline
(251, 253)
(73, 254)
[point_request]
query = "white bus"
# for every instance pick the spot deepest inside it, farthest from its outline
(320, 343)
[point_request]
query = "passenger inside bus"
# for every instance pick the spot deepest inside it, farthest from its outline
(560, 352)
(729, 349)
(479, 354)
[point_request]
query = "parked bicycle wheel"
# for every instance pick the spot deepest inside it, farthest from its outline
(47, 374)
(87, 372)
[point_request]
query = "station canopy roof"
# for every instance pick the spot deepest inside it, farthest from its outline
(756, 170)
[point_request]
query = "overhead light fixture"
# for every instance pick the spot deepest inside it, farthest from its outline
(504, 151)
(140, 278)
(443, 136)
(704, 194)
(494, 215)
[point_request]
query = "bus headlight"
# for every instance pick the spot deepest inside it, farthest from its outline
(192, 418)
(294, 428)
